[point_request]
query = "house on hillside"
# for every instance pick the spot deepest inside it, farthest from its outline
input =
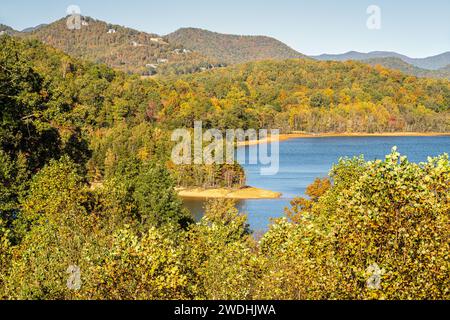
(163, 60)
(111, 31)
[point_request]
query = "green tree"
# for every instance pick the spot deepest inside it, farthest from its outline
(156, 199)
(24, 127)
(55, 227)
(13, 184)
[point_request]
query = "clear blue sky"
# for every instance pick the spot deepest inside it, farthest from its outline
(415, 28)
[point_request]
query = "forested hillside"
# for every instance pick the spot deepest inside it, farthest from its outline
(430, 63)
(232, 48)
(7, 30)
(88, 208)
(398, 64)
(113, 115)
(119, 47)
(191, 50)
(311, 96)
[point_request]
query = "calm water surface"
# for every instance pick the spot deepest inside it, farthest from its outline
(303, 160)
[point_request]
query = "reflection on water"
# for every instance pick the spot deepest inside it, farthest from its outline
(303, 160)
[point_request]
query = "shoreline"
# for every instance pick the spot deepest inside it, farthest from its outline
(247, 193)
(303, 135)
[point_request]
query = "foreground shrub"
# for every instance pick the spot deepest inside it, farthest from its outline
(385, 235)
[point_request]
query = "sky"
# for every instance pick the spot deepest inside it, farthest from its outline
(415, 28)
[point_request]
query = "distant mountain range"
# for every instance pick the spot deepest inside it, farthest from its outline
(431, 63)
(431, 67)
(190, 50)
(11, 31)
(233, 48)
(34, 28)
(187, 50)
(399, 64)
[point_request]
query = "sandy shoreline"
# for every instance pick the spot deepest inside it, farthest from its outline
(247, 193)
(298, 135)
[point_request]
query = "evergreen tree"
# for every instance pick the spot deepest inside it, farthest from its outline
(156, 198)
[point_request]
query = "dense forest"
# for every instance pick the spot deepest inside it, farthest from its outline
(310, 96)
(88, 207)
(232, 49)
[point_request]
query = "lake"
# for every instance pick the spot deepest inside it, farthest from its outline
(304, 160)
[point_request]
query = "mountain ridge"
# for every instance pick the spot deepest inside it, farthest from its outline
(120, 47)
(187, 50)
(31, 29)
(406, 68)
(435, 62)
(4, 29)
(231, 48)
(190, 50)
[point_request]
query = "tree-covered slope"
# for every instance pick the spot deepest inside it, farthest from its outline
(310, 96)
(232, 48)
(398, 64)
(4, 29)
(430, 63)
(119, 47)
(89, 210)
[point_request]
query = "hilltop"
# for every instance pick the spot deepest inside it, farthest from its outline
(120, 47)
(190, 50)
(232, 48)
(182, 52)
(31, 29)
(4, 29)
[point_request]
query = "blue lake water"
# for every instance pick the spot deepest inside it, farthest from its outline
(304, 160)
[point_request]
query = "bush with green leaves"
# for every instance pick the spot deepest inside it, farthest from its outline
(395, 216)
(139, 266)
(222, 253)
(53, 226)
(385, 235)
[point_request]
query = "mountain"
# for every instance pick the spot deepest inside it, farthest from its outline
(184, 51)
(31, 29)
(431, 63)
(406, 68)
(189, 50)
(4, 29)
(232, 48)
(119, 47)
(358, 56)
